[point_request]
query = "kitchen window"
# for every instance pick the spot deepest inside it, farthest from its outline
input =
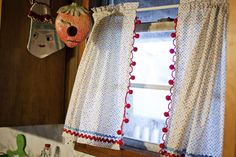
(152, 75)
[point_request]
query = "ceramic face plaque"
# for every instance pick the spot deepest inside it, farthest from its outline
(43, 39)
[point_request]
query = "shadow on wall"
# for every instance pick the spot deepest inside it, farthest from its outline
(52, 132)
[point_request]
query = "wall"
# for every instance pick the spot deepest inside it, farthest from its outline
(32, 89)
(230, 117)
(0, 12)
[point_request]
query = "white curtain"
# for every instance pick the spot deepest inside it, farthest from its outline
(197, 118)
(96, 108)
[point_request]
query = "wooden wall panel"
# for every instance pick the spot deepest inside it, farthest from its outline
(0, 12)
(230, 117)
(31, 89)
(73, 58)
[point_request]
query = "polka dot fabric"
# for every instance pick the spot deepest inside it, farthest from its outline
(97, 103)
(197, 116)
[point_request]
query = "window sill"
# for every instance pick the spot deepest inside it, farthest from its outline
(104, 152)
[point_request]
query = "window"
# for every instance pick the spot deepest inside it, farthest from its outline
(144, 131)
(150, 88)
(146, 119)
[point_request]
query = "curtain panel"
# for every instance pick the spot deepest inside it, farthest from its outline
(96, 108)
(197, 118)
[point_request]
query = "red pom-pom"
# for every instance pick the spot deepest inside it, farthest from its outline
(168, 97)
(172, 67)
(119, 132)
(135, 49)
(163, 152)
(171, 82)
(175, 20)
(162, 145)
(166, 114)
(127, 105)
(172, 51)
(132, 77)
(136, 35)
(138, 22)
(133, 63)
(130, 91)
(173, 35)
(165, 130)
(120, 142)
(126, 120)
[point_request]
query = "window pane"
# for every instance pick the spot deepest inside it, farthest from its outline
(155, 15)
(153, 58)
(146, 115)
(151, 16)
(147, 3)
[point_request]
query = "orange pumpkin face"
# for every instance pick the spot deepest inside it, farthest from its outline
(73, 24)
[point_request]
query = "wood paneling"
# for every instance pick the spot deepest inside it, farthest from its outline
(31, 89)
(0, 12)
(230, 117)
(73, 57)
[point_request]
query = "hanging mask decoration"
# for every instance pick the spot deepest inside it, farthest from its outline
(73, 24)
(43, 40)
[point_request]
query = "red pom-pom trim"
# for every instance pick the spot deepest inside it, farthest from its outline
(133, 63)
(164, 130)
(162, 145)
(168, 97)
(119, 132)
(172, 67)
(173, 35)
(128, 106)
(120, 142)
(132, 77)
(136, 35)
(171, 82)
(166, 114)
(172, 51)
(126, 120)
(175, 20)
(138, 22)
(130, 92)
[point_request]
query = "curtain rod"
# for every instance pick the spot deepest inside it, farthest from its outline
(158, 8)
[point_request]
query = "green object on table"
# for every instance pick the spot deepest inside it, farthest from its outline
(20, 151)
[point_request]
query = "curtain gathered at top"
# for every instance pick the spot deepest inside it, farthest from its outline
(196, 122)
(96, 108)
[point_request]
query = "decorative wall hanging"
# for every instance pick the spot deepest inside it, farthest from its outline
(43, 39)
(73, 24)
(195, 123)
(97, 109)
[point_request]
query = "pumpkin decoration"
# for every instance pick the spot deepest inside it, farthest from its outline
(73, 24)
